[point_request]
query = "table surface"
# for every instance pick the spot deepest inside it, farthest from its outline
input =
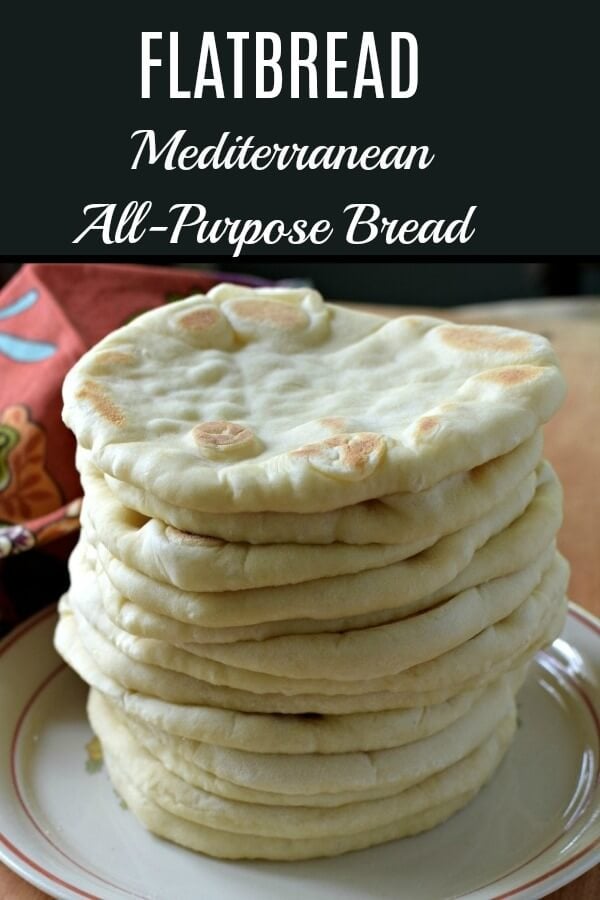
(572, 442)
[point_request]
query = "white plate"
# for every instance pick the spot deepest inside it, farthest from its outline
(535, 827)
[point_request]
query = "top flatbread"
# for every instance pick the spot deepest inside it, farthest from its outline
(250, 400)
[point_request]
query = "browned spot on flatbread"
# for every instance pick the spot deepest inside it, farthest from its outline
(359, 448)
(412, 321)
(221, 434)
(185, 537)
(272, 313)
(97, 396)
(426, 425)
(114, 358)
(199, 319)
(511, 375)
(471, 337)
(356, 451)
(334, 423)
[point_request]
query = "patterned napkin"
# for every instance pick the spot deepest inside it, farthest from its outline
(49, 315)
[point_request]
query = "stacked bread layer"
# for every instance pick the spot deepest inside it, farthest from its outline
(277, 673)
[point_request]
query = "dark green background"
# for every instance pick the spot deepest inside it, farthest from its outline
(508, 100)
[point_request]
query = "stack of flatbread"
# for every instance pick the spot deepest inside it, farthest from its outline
(317, 555)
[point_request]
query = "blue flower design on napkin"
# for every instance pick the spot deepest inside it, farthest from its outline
(20, 349)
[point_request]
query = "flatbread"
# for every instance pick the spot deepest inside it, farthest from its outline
(445, 507)
(317, 779)
(384, 649)
(305, 734)
(507, 539)
(366, 654)
(190, 561)
(514, 641)
(246, 401)
(223, 845)
(424, 665)
(200, 806)
(127, 760)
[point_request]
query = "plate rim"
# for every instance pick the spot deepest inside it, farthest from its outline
(31, 871)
